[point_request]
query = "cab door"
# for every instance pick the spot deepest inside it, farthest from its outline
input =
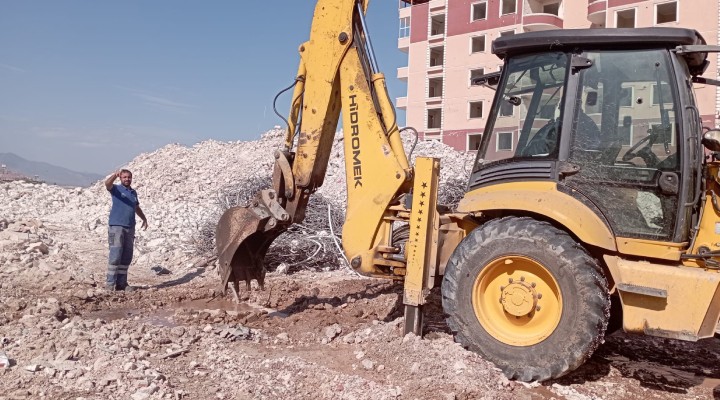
(624, 142)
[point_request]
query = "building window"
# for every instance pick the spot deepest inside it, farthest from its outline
(404, 27)
(476, 109)
(479, 11)
(475, 74)
(666, 12)
(473, 141)
(504, 141)
(435, 87)
(507, 33)
(553, 9)
(437, 25)
(597, 107)
(666, 94)
(478, 44)
(434, 117)
(625, 18)
(508, 7)
(506, 109)
(436, 56)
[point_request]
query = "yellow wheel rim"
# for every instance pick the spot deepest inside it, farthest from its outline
(517, 300)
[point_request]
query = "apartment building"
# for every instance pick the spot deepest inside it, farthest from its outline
(448, 43)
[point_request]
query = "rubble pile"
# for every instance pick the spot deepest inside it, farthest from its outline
(28, 251)
(184, 190)
(310, 335)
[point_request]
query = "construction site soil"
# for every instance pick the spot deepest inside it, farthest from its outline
(311, 334)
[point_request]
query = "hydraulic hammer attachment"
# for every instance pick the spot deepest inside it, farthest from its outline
(243, 236)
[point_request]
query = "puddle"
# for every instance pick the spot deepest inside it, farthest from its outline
(215, 304)
(710, 383)
(164, 317)
(111, 315)
(156, 317)
(228, 306)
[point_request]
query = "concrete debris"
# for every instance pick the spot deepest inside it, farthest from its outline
(182, 222)
(282, 268)
(33, 368)
(315, 332)
(368, 364)
(4, 360)
(175, 353)
(331, 332)
(158, 270)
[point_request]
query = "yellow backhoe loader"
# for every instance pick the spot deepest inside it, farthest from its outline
(595, 184)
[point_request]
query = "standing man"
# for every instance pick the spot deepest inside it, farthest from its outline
(121, 229)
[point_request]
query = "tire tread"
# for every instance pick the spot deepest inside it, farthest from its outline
(586, 270)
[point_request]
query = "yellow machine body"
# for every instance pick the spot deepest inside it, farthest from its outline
(519, 301)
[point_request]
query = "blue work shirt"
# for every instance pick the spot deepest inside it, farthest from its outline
(124, 202)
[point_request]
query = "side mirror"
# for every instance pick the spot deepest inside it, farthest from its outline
(711, 140)
(490, 80)
(591, 99)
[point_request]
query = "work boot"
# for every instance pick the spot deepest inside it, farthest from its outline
(126, 288)
(110, 287)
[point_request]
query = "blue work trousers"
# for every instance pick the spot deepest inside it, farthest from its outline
(121, 240)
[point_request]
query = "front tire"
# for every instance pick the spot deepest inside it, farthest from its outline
(527, 297)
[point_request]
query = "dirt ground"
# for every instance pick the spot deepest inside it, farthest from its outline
(320, 335)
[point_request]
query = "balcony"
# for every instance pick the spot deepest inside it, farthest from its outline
(541, 22)
(404, 44)
(401, 103)
(402, 74)
(437, 5)
(410, 3)
(596, 11)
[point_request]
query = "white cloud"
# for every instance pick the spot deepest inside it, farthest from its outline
(12, 68)
(54, 133)
(90, 145)
(158, 101)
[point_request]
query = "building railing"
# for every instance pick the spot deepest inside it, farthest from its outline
(596, 6)
(541, 21)
(410, 3)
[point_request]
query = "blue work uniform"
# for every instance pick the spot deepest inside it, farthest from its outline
(121, 235)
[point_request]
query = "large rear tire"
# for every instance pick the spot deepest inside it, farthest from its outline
(527, 297)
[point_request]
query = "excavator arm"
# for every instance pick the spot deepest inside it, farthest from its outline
(338, 74)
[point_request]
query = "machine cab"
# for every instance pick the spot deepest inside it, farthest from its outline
(604, 122)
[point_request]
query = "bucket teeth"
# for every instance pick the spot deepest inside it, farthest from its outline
(243, 236)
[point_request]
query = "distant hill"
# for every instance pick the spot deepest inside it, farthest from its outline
(47, 172)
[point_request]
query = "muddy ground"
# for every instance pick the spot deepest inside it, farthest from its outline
(309, 335)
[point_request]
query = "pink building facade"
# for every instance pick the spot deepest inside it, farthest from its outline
(448, 42)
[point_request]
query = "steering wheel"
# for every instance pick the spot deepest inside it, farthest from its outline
(645, 152)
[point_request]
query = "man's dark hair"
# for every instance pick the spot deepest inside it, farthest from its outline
(122, 171)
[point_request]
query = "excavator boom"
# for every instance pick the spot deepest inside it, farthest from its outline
(337, 72)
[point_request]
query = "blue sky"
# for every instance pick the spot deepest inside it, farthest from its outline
(88, 85)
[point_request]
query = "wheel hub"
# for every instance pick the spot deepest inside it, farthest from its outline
(518, 298)
(530, 302)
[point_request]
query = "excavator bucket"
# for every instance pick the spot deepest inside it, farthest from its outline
(243, 236)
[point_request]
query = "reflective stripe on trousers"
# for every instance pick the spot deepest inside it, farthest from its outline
(120, 241)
